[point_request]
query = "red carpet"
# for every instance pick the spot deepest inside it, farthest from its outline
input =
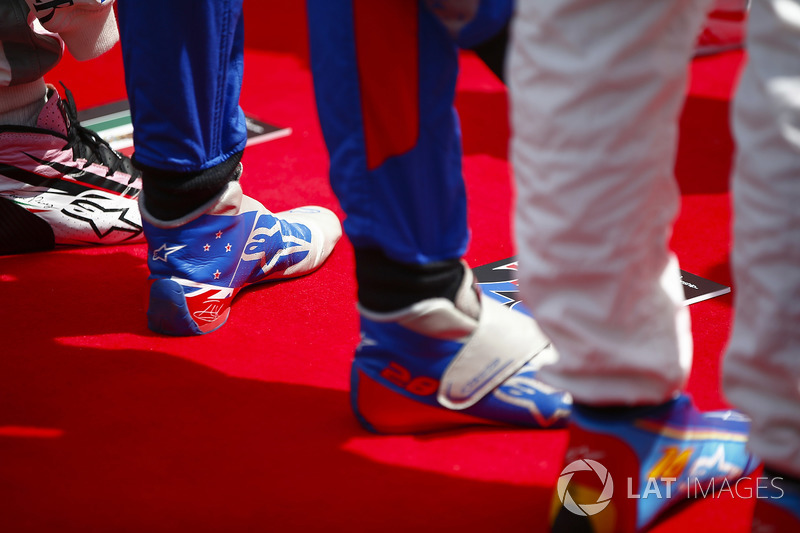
(106, 427)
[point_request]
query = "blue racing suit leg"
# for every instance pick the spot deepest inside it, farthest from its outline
(384, 77)
(183, 69)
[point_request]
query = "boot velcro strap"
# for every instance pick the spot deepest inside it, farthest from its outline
(502, 343)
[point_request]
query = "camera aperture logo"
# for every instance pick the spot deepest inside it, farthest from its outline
(591, 491)
(585, 509)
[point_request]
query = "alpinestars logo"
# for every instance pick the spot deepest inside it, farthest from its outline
(103, 214)
(525, 391)
(269, 236)
(163, 252)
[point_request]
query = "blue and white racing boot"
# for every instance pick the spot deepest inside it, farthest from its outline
(440, 365)
(626, 466)
(199, 262)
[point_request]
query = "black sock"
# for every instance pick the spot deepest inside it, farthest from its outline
(169, 195)
(493, 52)
(386, 285)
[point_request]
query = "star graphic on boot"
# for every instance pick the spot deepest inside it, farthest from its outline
(102, 213)
(216, 274)
(219, 234)
(228, 247)
(167, 250)
(206, 248)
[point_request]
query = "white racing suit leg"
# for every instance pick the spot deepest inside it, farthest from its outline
(762, 367)
(597, 88)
